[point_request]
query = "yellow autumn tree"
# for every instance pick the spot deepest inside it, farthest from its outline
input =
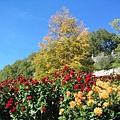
(67, 43)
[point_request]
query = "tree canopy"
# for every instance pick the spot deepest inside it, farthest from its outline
(19, 68)
(103, 41)
(67, 43)
(116, 24)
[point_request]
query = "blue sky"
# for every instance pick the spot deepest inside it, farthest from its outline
(23, 23)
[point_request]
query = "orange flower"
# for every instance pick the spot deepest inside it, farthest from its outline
(61, 111)
(76, 95)
(97, 89)
(78, 101)
(109, 90)
(72, 104)
(68, 93)
(80, 94)
(98, 111)
(103, 95)
(99, 83)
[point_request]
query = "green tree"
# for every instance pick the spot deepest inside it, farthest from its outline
(106, 62)
(116, 24)
(67, 43)
(102, 40)
(19, 68)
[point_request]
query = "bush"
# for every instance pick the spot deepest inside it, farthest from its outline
(69, 95)
(105, 62)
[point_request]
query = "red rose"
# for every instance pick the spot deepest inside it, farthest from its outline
(63, 82)
(11, 99)
(1, 87)
(23, 108)
(13, 109)
(16, 103)
(79, 79)
(26, 83)
(8, 105)
(35, 82)
(43, 109)
(53, 85)
(65, 67)
(67, 77)
(10, 80)
(76, 86)
(29, 97)
(56, 75)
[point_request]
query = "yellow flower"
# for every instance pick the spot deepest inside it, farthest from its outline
(76, 95)
(115, 88)
(109, 90)
(118, 92)
(118, 87)
(103, 95)
(90, 92)
(99, 104)
(111, 101)
(90, 102)
(80, 94)
(97, 89)
(78, 101)
(72, 104)
(98, 111)
(99, 83)
(68, 93)
(61, 111)
(106, 104)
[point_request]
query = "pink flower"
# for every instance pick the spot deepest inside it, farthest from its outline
(61, 98)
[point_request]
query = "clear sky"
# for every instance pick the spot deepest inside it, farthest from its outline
(23, 23)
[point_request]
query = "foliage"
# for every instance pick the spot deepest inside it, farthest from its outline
(68, 96)
(106, 62)
(116, 24)
(67, 43)
(103, 41)
(97, 104)
(19, 67)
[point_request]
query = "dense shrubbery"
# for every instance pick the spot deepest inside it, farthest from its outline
(67, 96)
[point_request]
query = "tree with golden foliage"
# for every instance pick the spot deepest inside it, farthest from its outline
(67, 43)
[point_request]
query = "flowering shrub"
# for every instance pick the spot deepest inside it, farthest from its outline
(100, 103)
(65, 96)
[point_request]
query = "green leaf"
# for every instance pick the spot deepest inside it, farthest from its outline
(80, 118)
